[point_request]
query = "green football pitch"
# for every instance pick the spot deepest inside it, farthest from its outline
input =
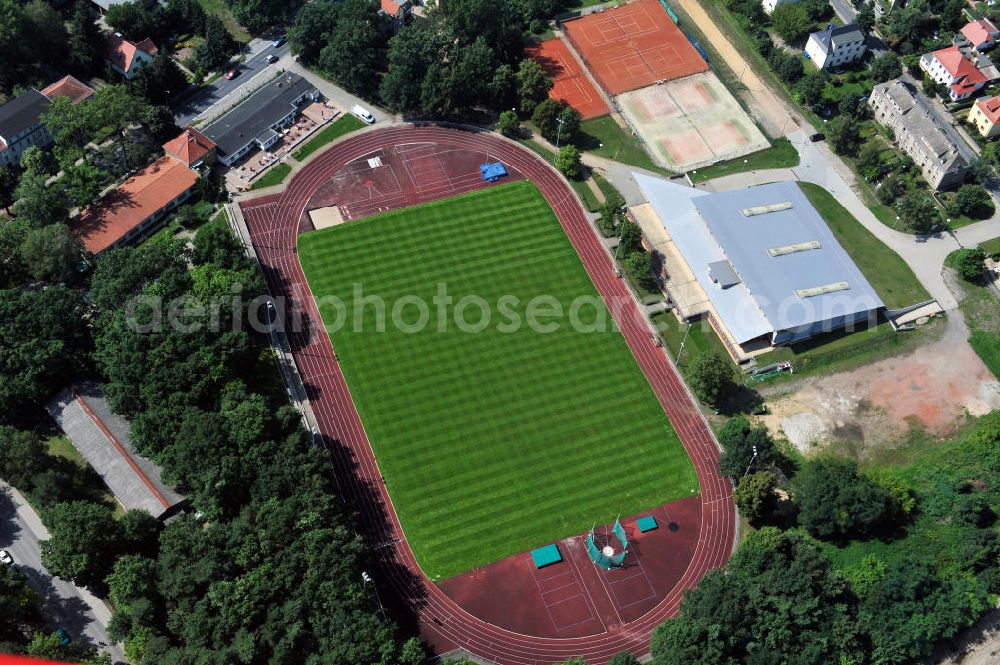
(504, 438)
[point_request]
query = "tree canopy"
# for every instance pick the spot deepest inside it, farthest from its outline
(792, 22)
(836, 501)
(711, 378)
(739, 438)
(778, 602)
(45, 346)
(243, 460)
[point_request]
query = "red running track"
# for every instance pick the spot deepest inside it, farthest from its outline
(273, 222)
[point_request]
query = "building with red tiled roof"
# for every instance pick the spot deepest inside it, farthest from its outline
(399, 10)
(985, 116)
(126, 57)
(71, 88)
(982, 34)
(192, 148)
(950, 67)
(134, 209)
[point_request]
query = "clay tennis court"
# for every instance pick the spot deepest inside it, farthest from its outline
(569, 84)
(691, 122)
(633, 46)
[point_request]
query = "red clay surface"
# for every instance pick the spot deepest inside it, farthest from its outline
(633, 46)
(273, 222)
(408, 175)
(569, 83)
(575, 598)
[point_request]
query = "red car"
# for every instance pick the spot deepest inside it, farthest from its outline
(232, 73)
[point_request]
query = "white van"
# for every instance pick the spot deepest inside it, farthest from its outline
(364, 114)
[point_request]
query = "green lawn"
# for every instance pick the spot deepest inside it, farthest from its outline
(698, 338)
(605, 137)
(221, 9)
(506, 439)
(343, 125)
(781, 154)
(981, 310)
(991, 246)
(275, 176)
(841, 350)
(59, 445)
(888, 273)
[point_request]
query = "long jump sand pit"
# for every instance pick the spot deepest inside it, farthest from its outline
(691, 122)
(633, 46)
(569, 83)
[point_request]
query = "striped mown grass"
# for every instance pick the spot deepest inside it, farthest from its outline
(497, 441)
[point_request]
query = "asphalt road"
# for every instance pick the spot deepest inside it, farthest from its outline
(844, 10)
(66, 606)
(256, 62)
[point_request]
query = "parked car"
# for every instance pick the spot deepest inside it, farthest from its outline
(363, 113)
(278, 41)
(272, 58)
(6, 558)
(817, 137)
(232, 73)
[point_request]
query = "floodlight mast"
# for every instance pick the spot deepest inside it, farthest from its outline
(751, 461)
(559, 121)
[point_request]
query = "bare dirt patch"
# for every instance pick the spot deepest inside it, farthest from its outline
(978, 645)
(930, 388)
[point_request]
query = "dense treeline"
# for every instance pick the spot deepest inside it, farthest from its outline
(269, 569)
(169, 22)
(38, 44)
(465, 54)
(847, 567)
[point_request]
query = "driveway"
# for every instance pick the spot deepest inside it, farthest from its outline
(844, 9)
(256, 62)
(83, 616)
(334, 93)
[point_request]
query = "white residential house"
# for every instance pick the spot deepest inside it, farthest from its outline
(950, 67)
(836, 46)
(127, 57)
(770, 5)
